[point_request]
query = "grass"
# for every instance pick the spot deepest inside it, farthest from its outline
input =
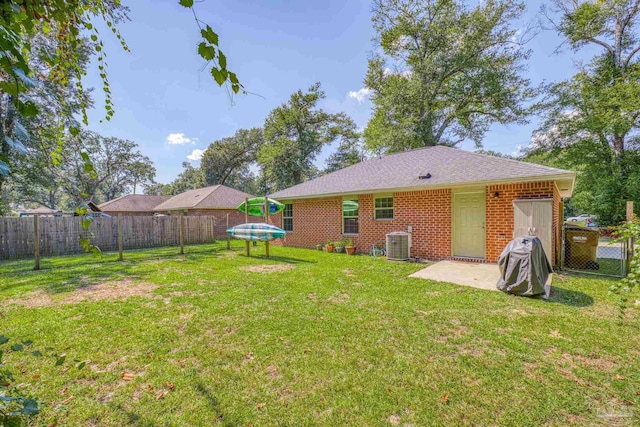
(331, 340)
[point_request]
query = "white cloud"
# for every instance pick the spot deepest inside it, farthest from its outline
(519, 151)
(179, 139)
(360, 95)
(196, 155)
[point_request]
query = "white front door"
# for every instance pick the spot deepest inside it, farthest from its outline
(469, 210)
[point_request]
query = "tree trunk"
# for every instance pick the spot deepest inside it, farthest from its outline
(618, 147)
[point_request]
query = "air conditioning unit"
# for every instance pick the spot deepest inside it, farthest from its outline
(398, 244)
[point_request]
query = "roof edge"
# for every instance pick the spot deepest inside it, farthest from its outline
(193, 208)
(536, 178)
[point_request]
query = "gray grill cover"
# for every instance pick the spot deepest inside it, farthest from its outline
(524, 268)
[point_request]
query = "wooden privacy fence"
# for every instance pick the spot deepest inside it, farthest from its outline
(61, 235)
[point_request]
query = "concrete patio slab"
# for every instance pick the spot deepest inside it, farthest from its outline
(476, 275)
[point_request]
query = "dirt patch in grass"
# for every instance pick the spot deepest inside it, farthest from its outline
(272, 370)
(348, 273)
(339, 298)
(267, 268)
(119, 290)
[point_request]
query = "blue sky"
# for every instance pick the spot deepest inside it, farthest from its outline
(276, 47)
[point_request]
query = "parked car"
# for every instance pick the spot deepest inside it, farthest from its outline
(581, 217)
(589, 220)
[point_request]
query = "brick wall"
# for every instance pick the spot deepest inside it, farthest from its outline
(427, 211)
(500, 219)
(314, 221)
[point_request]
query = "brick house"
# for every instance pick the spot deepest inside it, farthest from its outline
(218, 201)
(455, 203)
(132, 204)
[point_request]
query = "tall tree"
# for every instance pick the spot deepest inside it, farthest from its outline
(159, 189)
(294, 134)
(66, 24)
(229, 160)
(142, 174)
(116, 167)
(592, 120)
(189, 179)
(349, 152)
(445, 72)
(33, 141)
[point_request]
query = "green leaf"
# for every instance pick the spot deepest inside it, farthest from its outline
(60, 359)
(17, 347)
(209, 35)
(30, 407)
(186, 3)
(3, 339)
(26, 80)
(9, 88)
(27, 109)
(74, 131)
(27, 342)
(220, 76)
(206, 51)
(36, 353)
(222, 60)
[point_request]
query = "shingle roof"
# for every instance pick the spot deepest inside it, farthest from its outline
(215, 197)
(133, 203)
(42, 210)
(447, 166)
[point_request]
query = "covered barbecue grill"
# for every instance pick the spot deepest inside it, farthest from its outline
(524, 268)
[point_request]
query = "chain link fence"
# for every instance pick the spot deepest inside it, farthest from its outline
(593, 250)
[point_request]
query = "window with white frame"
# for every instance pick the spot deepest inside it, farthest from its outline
(350, 209)
(287, 217)
(383, 207)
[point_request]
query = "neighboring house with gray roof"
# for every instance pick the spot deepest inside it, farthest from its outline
(218, 201)
(204, 201)
(455, 203)
(132, 204)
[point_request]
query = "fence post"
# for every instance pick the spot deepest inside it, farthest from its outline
(120, 258)
(559, 234)
(36, 231)
(246, 220)
(228, 235)
(266, 218)
(562, 248)
(181, 233)
(630, 243)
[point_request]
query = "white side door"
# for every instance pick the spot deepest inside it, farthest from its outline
(522, 211)
(542, 225)
(535, 218)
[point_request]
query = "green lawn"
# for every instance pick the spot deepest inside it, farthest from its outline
(320, 339)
